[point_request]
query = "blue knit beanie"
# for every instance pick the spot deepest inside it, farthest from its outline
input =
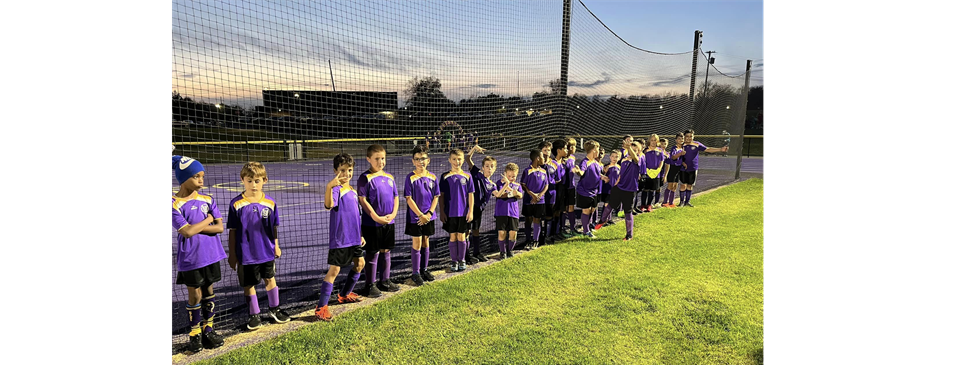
(185, 168)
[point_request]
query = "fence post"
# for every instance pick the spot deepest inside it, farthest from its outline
(246, 149)
(693, 73)
(743, 131)
(564, 66)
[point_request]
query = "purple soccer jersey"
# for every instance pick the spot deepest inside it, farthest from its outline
(456, 188)
(344, 218)
(612, 173)
(380, 190)
(630, 175)
(508, 207)
(568, 164)
(652, 160)
(673, 153)
(422, 189)
(254, 222)
(692, 158)
(201, 249)
(553, 176)
(535, 180)
(482, 187)
(590, 182)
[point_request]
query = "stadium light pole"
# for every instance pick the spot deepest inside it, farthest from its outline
(564, 65)
(697, 41)
(746, 89)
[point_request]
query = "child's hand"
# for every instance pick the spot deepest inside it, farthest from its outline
(363, 242)
(443, 217)
(504, 179)
(725, 148)
(276, 251)
(424, 219)
(684, 164)
(339, 179)
(470, 216)
(477, 148)
(604, 178)
(232, 260)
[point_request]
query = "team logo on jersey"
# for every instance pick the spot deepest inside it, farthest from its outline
(431, 184)
(489, 186)
(390, 182)
(185, 162)
(204, 208)
(463, 181)
(265, 213)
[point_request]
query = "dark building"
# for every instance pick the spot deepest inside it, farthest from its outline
(324, 103)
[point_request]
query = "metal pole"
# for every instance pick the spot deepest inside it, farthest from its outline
(333, 83)
(743, 131)
(693, 72)
(564, 65)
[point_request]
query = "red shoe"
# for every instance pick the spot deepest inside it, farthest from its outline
(323, 313)
(597, 227)
(350, 298)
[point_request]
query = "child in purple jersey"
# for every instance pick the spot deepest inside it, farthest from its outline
(253, 220)
(346, 241)
(688, 172)
(589, 186)
(377, 190)
(663, 173)
(612, 171)
(653, 162)
(550, 198)
(533, 179)
(595, 214)
(508, 194)
(198, 223)
(559, 150)
(637, 202)
(570, 196)
(673, 175)
(625, 145)
(483, 187)
(422, 192)
(456, 208)
(625, 187)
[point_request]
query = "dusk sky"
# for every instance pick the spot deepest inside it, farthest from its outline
(231, 51)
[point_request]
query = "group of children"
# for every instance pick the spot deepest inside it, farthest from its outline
(362, 233)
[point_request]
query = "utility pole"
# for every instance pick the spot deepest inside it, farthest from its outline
(707, 77)
(697, 41)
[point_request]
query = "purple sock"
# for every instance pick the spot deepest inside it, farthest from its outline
(503, 246)
(536, 232)
(511, 244)
(415, 260)
(585, 221)
(273, 297)
(454, 247)
(572, 218)
(425, 251)
(325, 290)
(606, 213)
(689, 194)
(370, 271)
(629, 224)
(194, 317)
(208, 309)
(253, 306)
(385, 261)
(669, 198)
(348, 285)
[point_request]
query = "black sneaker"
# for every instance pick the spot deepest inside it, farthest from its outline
(417, 281)
(509, 253)
(427, 275)
(481, 258)
(688, 205)
(470, 259)
(195, 344)
(211, 339)
(279, 316)
(503, 256)
(608, 224)
(254, 322)
(387, 286)
(370, 291)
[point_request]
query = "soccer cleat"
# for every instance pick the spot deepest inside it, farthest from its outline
(481, 258)
(392, 287)
(647, 209)
(279, 316)
(350, 298)
(417, 281)
(598, 226)
(370, 291)
(211, 339)
(687, 204)
(194, 345)
(323, 313)
(509, 253)
(253, 322)
(427, 275)
(454, 266)
(503, 256)
(470, 259)
(590, 235)
(628, 237)
(608, 224)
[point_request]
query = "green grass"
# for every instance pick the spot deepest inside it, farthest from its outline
(688, 289)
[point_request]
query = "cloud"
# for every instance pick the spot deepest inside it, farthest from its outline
(674, 81)
(484, 86)
(606, 79)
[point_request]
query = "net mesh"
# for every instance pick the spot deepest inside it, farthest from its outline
(292, 84)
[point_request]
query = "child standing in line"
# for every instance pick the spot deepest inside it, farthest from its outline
(380, 203)
(534, 183)
(507, 210)
(653, 160)
(626, 186)
(691, 159)
(456, 208)
(612, 171)
(422, 192)
(673, 175)
(559, 149)
(589, 186)
(483, 186)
